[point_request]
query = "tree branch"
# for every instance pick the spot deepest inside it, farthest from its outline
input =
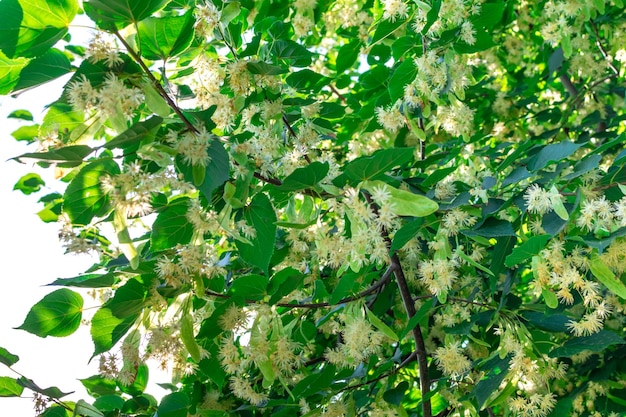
(156, 84)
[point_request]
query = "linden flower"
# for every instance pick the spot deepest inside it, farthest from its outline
(538, 200)
(451, 361)
(394, 9)
(390, 118)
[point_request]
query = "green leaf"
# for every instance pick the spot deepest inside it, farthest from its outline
(216, 172)
(84, 199)
(87, 281)
(57, 314)
(597, 342)
(9, 387)
(121, 13)
(29, 183)
(263, 68)
(527, 250)
(374, 166)
(56, 411)
(52, 392)
(187, 336)
(405, 203)
(135, 134)
(315, 382)
(305, 177)
(402, 75)
(343, 289)
(7, 358)
(405, 234)
(82, 408)
(249, 287)
(31, 27)
(607, 277)
(163, 37)
(98, 386)
(107, 330)
(553, 153)
(347, 56)
(140, 381)
(380, 325)
(306, 80)
(109, 403)
(47, 67)
(10, 70)
(385, 28)
(549, 298)
(292, 51)
(171, 226)
(261, 216)
(21, 115)
(492, 228)
(66, 157)
(128, 300)
(284, 282)
(395, 395)
(424, 310)
(496, 370)
(174, 405)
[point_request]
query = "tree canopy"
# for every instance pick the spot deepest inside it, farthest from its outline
(332, 208)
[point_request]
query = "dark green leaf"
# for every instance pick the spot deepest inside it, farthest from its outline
(347, 56)
(556, 323)
(402, 75)
(174, 405)
(492, 228)
(171, 226)
(553, 153)
(527, 250)
(405, 234)
(56, 411)
(490, 15)
(249, 287)
(595, 343)
(305, 177)
(87, 281)
(315, 382)
(21, 114)
(163, 37)
(68, 156)
(306, 80)
(386, 28)
(47, 67)
(292, 51)
(263, 68)
(128, 300)
(84, 199)
(374, 166)
(395, 395)
(343, 288)
(109, 403)
(31, 27)
(135, 134)
(57, 314)
(107, 330)
(216, 172)
(52, 392)
(284, 282)
(7, 358)
(261, 216)
(121, 13)
(586, 165)
(29, 183)
(9, 387)
(497, 370)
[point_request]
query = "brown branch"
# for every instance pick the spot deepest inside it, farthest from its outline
(409, 305)
(337, 93)
(384, 375)
(156, 84)
(569, 86)
(602, 50)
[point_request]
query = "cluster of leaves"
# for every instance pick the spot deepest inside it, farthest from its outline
(334, 208)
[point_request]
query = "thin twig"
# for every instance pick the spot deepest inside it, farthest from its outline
(384, 279)
(601, 47)
(156, 84)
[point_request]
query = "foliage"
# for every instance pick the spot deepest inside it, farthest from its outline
(334, 208)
